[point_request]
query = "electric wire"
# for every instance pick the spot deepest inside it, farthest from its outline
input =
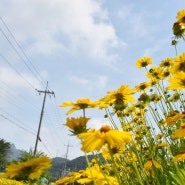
(18, 125)
(16, 71)
(13, 117)
(17, 100)
(46, 148)
(23, 128)
(34, 71)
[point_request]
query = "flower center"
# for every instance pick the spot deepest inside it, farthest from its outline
(105, 128)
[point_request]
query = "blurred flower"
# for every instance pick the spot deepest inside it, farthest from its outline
(31, 169)
(154, 73)
(143, 62)
(150, 165)
(95, 139)
(180, 133)
(168, 62)
(174, 117)
(64, 181)
(144, 97)
(72, 178)
(180, 156)
(142, 86)
(159, 136)
(160, 145)
(175, 97)
(77, 125)
(115, 151)
(178, 29)
(177, 81)
(79, 104)
(117, 98)
(181, 16)
(179, 64)
(155, 98)
(95, 174)
(10, 182)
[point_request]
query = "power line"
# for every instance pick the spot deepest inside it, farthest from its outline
(34, 71)
(16, 71)
(18, 125)
(46, 148)
(17, 48)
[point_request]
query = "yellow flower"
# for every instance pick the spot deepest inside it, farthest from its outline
(181, 16)
(143, 62)
(150, 164)
(79, 104)
(175, 97)
(159, 135)
(180, 156)
(154, 81)
(155, 73)
(179, 64)
(10, 182)
(178, 29)
(73, 177)
(177, 82)
(155, 98)
(31, 169)
(64, 181)
(180, 133)
(171, 120)
(168, 62)
(142, 86)
(95, 139)
(179, 26)
(95, 174)
(77, 125)
(117, 98)
(115, 151)
(160, 145)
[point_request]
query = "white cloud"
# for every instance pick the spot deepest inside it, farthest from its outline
(17, 81)
(91, 82)
(135, 22)
(74, 26)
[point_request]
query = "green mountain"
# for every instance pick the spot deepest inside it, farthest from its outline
(61, 167)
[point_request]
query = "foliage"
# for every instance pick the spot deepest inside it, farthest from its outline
(30, 154)
(4, 146)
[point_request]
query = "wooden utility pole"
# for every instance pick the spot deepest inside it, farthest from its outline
(65, 162)
(41, 115)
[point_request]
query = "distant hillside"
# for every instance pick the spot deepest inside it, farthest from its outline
(61, 167)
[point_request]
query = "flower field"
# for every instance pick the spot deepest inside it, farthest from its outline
(144, 141)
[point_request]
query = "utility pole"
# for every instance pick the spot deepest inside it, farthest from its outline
(65, 162)
(41, 115)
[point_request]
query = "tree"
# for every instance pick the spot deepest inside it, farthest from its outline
(4, 148)
(30, 154)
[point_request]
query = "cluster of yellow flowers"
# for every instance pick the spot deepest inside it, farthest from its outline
(144, 142)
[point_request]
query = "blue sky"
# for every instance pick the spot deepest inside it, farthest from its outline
(83, 48)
